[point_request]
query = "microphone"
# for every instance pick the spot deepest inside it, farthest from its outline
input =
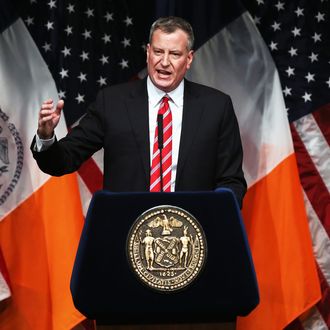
(160, 131)
(160, 147)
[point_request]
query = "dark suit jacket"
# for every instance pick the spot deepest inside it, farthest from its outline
(210, 153)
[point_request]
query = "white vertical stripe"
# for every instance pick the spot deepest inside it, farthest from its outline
(314, 321)
(320, 238)
(4, 289)
(316, 145)
(98, 158)
(25, 82)
(85, 195)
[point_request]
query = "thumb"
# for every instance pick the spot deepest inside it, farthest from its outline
(59, 106)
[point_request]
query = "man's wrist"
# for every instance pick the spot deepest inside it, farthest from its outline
(45, 136)
(43, 144)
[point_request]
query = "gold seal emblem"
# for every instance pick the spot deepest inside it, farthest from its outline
(166, 248)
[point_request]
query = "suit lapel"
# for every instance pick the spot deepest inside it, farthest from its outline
(137, 109)
(192, 112)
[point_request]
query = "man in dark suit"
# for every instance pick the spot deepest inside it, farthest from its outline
(206, 150)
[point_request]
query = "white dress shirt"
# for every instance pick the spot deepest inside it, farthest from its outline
(155, 96)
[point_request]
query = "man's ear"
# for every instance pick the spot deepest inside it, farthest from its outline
(190, 58)
(148, 52)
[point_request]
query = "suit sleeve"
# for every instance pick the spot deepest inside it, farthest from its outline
(229, 173)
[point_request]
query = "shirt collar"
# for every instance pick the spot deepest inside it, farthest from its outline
(155, 94)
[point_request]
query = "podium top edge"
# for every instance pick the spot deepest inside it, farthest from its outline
(188, 192)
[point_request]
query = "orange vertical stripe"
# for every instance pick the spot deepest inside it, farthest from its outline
(277, 227)
(39, 241)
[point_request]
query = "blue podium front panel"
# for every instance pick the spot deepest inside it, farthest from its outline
(105, 288)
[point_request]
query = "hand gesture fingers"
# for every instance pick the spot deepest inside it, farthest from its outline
(49, 117)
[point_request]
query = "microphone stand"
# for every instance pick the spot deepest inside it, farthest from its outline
(160, 147)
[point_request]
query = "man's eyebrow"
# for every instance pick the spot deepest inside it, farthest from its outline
(170, 50)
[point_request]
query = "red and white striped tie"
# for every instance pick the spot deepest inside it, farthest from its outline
(156, 170)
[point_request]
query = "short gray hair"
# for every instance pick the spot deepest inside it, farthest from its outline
(172, 23)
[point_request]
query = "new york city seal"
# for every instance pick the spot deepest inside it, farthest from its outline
(166, 248)
(11, 157)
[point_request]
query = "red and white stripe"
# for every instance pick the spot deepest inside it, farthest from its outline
(166, 152)
(311, 136)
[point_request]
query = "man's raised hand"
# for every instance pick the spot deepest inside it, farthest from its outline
(49, 117)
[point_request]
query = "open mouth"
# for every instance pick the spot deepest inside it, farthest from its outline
(164, 73)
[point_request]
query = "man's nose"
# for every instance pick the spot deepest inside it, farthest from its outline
(165, 60)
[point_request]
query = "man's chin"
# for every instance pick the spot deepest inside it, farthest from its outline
(163, 85)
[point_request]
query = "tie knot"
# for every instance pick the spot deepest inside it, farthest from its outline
(164, 106)
(165, 99)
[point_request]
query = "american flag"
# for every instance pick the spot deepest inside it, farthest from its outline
(92, 44)
(87, 46)
(297, 34)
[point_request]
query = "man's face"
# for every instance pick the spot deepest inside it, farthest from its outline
(168, 59)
